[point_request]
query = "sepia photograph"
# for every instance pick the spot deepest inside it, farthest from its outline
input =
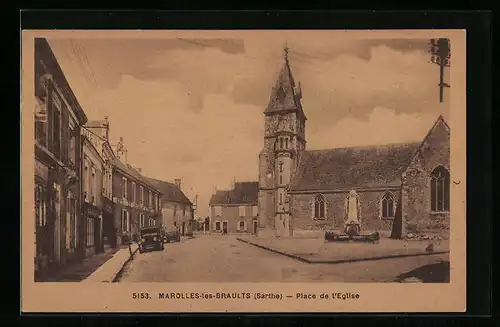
(244, 157)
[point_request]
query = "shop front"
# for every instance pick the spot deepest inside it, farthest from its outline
(108, 232)
(93, 229)
(44, 237)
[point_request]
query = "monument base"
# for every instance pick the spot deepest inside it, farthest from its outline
(266, 233)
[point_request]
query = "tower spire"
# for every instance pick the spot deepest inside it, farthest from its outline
(285, 52)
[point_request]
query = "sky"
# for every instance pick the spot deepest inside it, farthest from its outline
(192, 108)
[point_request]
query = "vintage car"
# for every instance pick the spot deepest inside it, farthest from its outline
(173, 236)
(151, 239)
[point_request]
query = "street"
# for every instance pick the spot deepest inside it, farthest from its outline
(217, 258)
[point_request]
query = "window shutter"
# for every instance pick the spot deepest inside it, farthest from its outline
(358, 206)
(346, 208)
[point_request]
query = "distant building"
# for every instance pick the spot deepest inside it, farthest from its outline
(235, 211)
(177, 209)
(58, 149)
(136, 203)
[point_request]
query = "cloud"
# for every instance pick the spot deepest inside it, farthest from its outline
(383, 126)
(167, 140)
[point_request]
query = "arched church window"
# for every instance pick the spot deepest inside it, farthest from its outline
(319, 206)
(281, 143)
(388, 205)
(440, 190)
(286, 143)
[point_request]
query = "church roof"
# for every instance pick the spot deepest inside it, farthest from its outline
(284, 95)
(242, 193)
(353, 167)
(170, 191)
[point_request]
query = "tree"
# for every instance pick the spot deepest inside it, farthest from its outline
(440, 51)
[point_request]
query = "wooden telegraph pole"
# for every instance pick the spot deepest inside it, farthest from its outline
(441, 55)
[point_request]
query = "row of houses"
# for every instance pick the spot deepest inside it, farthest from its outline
(88, 198)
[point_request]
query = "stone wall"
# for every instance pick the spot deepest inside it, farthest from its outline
(417, 215)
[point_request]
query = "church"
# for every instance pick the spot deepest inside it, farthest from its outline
(395, 189)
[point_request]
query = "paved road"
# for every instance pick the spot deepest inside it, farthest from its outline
(209, 258)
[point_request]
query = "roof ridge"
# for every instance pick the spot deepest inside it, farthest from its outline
(365, 146)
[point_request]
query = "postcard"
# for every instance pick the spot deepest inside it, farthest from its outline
(243, 171)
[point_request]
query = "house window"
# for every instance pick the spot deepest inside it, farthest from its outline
(90, 232)
(281, 167)
(124, 188)
(141, 194)
(281, 179)
(281, 143)
(71, 223)
(440, 190)
(150, 198)
(56, 127)
(217, 226)
(151, 222)
(241, 225)
(281, 198)
(85, 180)
(93, 186)
(40, 121)
(142, 220)
(40, 205)
(319, 207)
(218, 211)
(255, 211)
(133, 191)
(387, 206)
(72, 146)
(241, 211)
(126, 221)
(286, 143)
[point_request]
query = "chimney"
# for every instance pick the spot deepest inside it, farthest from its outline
(178, 182)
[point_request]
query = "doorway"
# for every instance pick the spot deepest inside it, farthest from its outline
(183, 228)
(255, 227)
(224, 227)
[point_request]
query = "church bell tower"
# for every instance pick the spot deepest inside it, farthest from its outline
(284, 139)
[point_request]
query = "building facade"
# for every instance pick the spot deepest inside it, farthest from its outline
(58, 121)
(395, 189)
(99, 131)
(235, 210)
(93, 202)
(177, 210)
(136, 203)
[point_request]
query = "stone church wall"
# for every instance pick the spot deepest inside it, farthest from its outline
(417, 215)
(370, 215)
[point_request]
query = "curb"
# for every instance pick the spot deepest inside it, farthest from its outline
(296, 257)
(120, 271)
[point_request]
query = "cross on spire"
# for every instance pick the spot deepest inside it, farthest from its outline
(286, 49)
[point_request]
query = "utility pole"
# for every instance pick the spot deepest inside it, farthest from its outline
(441, 55)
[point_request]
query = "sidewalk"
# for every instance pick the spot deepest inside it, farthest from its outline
(77, 272)
(109, 271)
(316, 250)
